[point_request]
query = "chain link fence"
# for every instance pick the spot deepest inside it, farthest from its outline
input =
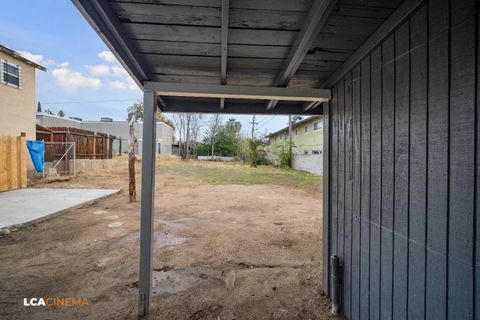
(59, 159)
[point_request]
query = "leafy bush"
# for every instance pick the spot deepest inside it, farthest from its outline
(285, 154)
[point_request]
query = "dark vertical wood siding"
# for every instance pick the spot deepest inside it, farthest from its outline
(404, 161)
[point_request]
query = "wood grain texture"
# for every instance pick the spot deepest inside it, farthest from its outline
(388, 176)
(334, 168)
(356, 193)
(402, 167)
(326, 221)
(376, 182)
(348, 216)
(365, 150)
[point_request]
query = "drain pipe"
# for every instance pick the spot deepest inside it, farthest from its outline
(336, 280)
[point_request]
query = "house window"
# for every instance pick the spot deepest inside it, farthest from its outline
(306, 129)
(317, 126)
(285, 136)
(11, 74)
(315, 151)
(296, 132)
(305, 151)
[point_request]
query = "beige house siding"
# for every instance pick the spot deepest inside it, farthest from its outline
(17, 106)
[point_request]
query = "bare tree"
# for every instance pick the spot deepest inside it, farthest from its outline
(213, 126)
(195, 126)
(188, 127)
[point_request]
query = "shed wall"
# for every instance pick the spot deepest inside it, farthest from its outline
(402, 146)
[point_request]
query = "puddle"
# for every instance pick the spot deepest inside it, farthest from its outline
(168, 282)
(175, 225)
(161, 240)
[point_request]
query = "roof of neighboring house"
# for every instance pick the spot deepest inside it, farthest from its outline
(294, 125)
(18, 56)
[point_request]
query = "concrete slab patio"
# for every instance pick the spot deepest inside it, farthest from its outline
(26, 206)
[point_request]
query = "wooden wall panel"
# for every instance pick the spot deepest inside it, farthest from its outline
(462, 160)
(365, 129)
(341, 170)
(334, 170)
(356, 176)
(376, 182)
(326, 236)
(407, 160)
(388, 175)
(477, 186)
(437, 166)
(401, 171)
(418, 165)
(347, 270)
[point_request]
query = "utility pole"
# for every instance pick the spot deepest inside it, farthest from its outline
(290, 132)
(253, 126)
(290, 148)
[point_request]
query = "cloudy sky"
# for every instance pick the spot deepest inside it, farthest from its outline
(83, 77)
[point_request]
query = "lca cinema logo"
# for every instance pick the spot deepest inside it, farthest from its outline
(55, 302)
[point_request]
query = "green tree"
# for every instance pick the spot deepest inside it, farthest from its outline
(256, 151)
(233, 127)
(136, 110)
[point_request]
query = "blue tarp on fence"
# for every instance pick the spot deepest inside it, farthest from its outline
(37, 152)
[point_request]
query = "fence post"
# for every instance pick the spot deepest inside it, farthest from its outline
(74, 159)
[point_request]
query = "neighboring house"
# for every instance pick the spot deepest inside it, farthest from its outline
(307, 139)
(119, 129)
(17, 94)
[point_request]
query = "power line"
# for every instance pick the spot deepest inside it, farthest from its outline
(265, 123)
(266, 118)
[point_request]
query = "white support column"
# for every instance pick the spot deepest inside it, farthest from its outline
(147, 202)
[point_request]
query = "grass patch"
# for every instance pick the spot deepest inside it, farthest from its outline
(221, 173)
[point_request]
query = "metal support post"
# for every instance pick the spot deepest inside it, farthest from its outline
(147, 202)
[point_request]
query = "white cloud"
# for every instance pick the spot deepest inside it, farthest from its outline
(40, 59)
(71, 81)
(127, 84)
(99, 69)
(107, 56)
(37, 58)
(119, 71)
(63, 64)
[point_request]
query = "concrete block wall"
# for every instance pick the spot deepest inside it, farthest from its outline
(312, 163)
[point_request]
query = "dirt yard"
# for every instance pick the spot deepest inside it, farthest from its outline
(231, 242)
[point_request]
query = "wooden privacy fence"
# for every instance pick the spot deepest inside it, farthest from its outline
(13, 162)
(88, 144)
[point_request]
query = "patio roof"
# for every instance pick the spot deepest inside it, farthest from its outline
(249, 43)
(234, 56)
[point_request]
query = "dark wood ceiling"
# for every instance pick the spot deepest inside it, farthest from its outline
(180, 40)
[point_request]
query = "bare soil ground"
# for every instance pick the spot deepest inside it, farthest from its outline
(231, 242)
